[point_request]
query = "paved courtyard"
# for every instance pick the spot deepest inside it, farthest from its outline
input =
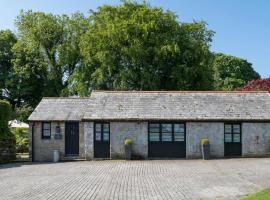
(149, 179)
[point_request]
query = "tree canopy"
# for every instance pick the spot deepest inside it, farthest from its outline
(131, 46)
(134, 46)
(232, 72)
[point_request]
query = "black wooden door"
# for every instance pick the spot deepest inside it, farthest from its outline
(102, 140)
(166, 140)
(232, 140)
(72, 138)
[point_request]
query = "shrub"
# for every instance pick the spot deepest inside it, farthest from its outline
(5, 111)
(204, 141)
(22, 139)
(128, 141)
(7, 139)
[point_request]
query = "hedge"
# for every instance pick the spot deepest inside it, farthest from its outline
(7, 139)
(5, 111)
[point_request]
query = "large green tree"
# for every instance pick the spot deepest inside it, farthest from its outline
(231, 72)
(55, 40)
(135, 46)
(7, 40)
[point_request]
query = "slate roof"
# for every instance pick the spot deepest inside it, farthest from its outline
(157, 105)
(60, 109)
(210, 106)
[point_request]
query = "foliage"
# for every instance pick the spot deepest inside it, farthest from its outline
(132, 46)
(231, 72)
(7, 40)
(128, 142)
(23, 112)
(55, 39)
(262, 195)
(136, 47)
(204, 141)
(5, 111)
(22, 139)
(255, 85)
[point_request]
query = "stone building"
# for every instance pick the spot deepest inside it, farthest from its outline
(166, 124)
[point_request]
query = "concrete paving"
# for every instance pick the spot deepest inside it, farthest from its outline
(147, 179)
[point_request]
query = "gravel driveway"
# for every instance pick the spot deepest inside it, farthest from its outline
(149, 179)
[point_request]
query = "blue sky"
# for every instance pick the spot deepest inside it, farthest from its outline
(242, 26)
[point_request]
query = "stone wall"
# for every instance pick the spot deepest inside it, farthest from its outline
(195, 131)
(255, 139)
(43, 147)
(136, 131)
(7, 150)
(89, 140)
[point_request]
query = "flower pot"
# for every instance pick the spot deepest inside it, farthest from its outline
(128, 152)
(205, 151)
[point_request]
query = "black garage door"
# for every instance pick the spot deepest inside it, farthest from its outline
(166, 140)
(232, 140)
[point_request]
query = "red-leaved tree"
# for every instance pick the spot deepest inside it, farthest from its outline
(255, 85)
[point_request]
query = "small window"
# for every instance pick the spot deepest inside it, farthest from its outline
(102, 132)
(46, 130)
(232, 133)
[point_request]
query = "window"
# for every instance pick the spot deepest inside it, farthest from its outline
(232, 133)
(154, 132)
(46, 130)
(179, 132)
(98, 132)
(166, 132)
(102, 132)
(106, 132)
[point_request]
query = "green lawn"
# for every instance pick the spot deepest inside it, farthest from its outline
(262, 195)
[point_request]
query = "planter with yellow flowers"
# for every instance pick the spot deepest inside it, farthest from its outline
(205, 146)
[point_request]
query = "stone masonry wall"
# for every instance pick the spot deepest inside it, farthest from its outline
(89, 140)
(255, 139)
(195, 131)
(43, 147)
(81, 140)
(136, 131)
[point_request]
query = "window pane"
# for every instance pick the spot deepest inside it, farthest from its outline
(46, 133)
(228, 137)
(166, 136)
(98, 136)
(106, 136)
(236, 138)
(236, 128)
(179, 128)
(154, 137)
(154, 128)
(106, 128)
(179, 137)
(98, 127)
(46, 125)
(166, 132)
(167, 128)
(228, 128)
